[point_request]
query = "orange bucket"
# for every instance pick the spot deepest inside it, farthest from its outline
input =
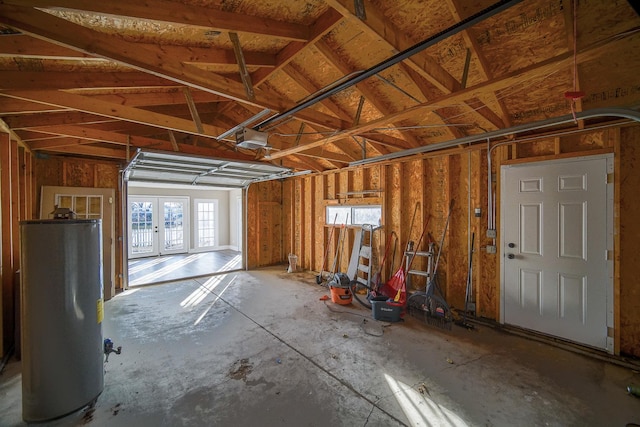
(341, 295)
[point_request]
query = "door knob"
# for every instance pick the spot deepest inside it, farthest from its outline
(512, 245)
(511, 256)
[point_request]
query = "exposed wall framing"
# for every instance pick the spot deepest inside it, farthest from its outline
(16, 178)
(458, 178)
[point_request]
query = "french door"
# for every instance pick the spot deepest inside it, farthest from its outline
(158, 225)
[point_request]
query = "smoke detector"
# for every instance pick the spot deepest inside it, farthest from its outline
(251, 139)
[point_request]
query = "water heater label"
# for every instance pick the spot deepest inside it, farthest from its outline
(100, 310)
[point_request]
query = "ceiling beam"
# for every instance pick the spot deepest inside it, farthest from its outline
(22, 45)
(42, 25)
(26, 121)
(310, 87)
(533, 72)
(181, 13)
(88, 150)
(57, 30)
(498, 121)
(107, 109)
(364, 88)
(322, 26)
(31, 80)
(377, 26)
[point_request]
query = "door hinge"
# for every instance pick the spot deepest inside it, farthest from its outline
(609, 255)
(609, 178)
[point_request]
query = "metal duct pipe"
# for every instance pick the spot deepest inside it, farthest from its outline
(398, 57)
(590, 114)
(595, 113)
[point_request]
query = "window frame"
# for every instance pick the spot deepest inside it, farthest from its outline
(216, 223)
(330, 216)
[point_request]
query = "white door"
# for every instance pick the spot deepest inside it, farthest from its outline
(158, 226)
(143, 227)
(173, 230)
(556, 232)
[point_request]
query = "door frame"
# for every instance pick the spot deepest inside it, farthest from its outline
(610, 291)
(47, 196)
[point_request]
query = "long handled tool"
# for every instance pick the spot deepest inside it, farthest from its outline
(319, 277)
(469, 291)
(340, 248)
(444, 233)
(376, 282)
(388, 288)
(430, 304)
(402, 288)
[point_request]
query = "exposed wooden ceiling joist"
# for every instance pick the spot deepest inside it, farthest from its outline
(168, 11)
(77, 73)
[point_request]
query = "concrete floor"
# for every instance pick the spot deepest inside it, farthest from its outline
(261, 349)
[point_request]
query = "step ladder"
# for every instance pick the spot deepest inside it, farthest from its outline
(362, 262)
(428, 273)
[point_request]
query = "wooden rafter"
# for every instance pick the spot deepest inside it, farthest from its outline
(322, 26)
(42, 25)
(379, 27)
(180, 13)
(82, 103)
(472, 42)
(21, 45)
(513, 79)
(242, 65)
(306, 84)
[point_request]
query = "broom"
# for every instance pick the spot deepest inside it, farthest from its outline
(398, 277)
(399, 280)
(376, 281)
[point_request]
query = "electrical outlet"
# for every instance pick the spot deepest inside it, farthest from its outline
(492, 234)
(491, 249)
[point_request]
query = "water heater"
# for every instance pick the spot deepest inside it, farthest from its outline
(61, 316)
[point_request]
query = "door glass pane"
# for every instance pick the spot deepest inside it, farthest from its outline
(173, 229)
(206, 224)
(81, 206)
(95, 207)
(141, 227)
(64, 202)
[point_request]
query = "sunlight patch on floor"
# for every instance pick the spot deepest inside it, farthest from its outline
(149, 278)
(218, 296)
(419, 409)
(140, 266)
(203, 290)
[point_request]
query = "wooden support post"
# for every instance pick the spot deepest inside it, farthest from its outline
(9, 208)
(194, 113)
(174, 143)
(244, 72)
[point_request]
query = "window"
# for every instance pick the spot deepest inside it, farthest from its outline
(354, 215)
(206, 223)
(85, 207)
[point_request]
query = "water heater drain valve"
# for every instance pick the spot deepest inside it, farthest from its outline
(108, 349)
